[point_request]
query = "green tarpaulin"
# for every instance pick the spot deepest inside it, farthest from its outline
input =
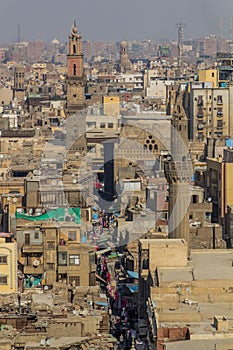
(58, 214)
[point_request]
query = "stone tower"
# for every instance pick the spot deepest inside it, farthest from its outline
(178, 171)
(125, 63)
(75, 77)
(19, 87)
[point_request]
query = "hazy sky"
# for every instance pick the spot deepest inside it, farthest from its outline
(112, 20)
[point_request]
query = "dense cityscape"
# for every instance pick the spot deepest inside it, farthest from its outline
(116, 193)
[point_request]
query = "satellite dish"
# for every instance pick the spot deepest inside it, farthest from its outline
(42, 342)
(209, 199)
(36, 263)
(74, 181)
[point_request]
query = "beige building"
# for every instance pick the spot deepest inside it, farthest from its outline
(208, 75)
(188, 301)
(210, 111)
(50, 253)
(219, 184)
(8, 264)
(111, 105)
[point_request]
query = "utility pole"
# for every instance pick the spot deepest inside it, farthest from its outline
(220, 27)
(18, 35)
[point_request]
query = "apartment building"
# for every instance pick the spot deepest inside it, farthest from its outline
(50, 252)
(8, 264)
(209, 111)
(219, 183)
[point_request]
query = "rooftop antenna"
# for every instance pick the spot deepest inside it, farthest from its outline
(220, 27)
(231, 30)
(18, 35)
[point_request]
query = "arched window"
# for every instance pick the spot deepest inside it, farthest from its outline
(74, 69)
(74, 49)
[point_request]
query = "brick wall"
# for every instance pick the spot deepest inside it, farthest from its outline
(171, 334)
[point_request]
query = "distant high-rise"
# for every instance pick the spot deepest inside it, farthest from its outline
(75, 76)
(231, 30)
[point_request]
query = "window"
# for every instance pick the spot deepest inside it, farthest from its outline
(62, 259)
(74, 280)
(36, 235)
(212, 74)
(110, 125)
(92, 258)
(3, 259)
(91, 124)
(74, 259)
(74, 49)
(200, 101)
(27, 238)
(91, 149)
(50, 266)
(102, 125)
(51, 245)
(74, 69)
(3, 279)
(145, 264)
(72, 236)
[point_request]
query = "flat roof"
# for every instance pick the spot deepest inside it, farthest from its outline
(163, 241)
(204, 344)
(212, 264)
(148, 117)
(181, 274)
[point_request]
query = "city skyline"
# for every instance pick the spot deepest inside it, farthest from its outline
(114, 21)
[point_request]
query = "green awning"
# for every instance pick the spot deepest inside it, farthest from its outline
(56, 214)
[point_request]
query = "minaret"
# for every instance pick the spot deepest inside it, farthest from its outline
(178, 171)
(75, 76)
(125, 63)
(180, 46)
(19, 88)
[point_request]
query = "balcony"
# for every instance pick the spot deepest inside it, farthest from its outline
(200, 115)
(219, 102)
(219, 125)
(219, 114)
(200, 103)
(32, 248)
(31, 270)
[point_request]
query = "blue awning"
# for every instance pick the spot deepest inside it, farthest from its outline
(132, 274)
(101, 303)
(132, 287)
